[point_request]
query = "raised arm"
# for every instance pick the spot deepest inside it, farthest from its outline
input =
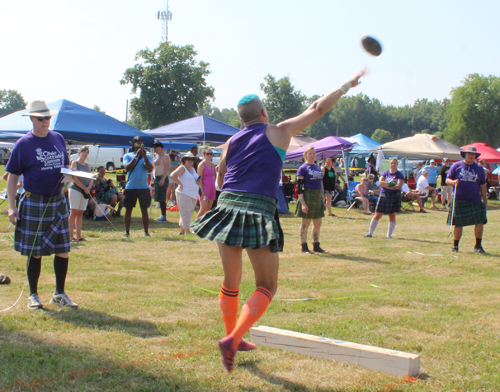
(318, 108)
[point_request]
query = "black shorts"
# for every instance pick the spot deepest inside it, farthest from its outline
(434, 192)
(131, 196)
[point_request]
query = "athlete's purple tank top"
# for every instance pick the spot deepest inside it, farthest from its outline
(253, 164)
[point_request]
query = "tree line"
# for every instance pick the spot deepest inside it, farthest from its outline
(169, 85)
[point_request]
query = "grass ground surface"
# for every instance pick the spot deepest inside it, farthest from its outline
(148, 317)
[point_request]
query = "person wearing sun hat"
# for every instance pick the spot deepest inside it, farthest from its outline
(42, 219)
(469, 198)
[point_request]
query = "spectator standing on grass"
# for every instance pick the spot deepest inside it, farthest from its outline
(206, 173)
(418, 171)
(186, 193)
(311, 206)
(329, 183)
(467, 209)
(445, 188)
(433, 179)
(389, 201)
(161, 167)
(79, 195)
(42, 219)
(246, 215)
(137, 164)
(174, 163)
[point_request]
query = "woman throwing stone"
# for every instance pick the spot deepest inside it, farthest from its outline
(246, 215)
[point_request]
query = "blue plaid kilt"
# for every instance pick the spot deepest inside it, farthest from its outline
(467, 213)
(242, 219)
(42, 225)
(389, 203)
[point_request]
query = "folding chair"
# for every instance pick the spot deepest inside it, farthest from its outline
(351, 199)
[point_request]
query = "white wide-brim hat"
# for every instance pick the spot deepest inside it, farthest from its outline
(470, 149)
(40, 109)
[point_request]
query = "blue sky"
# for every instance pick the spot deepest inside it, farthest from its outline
(79, 50)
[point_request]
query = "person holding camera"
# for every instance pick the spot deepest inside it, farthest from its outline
(79, 195)
(137, 164)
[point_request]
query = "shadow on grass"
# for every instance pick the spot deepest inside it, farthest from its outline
(251, 366)
(91, 319)
(350, 258)
(33, 364)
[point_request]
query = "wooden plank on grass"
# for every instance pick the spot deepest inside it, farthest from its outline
(370, 357)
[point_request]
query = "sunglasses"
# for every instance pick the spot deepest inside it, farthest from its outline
(44, 118)
(189, 159)
(209, 153)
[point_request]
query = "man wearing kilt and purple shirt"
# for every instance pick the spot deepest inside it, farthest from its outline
(42, 219)
(467, 209)
(246, 215)
(389, 201)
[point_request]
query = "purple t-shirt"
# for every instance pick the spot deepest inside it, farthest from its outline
(470, 178)
(388, 176)
(39, 160)
(313, 176)
(253, 163)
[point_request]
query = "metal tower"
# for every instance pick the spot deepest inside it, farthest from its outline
(165, 16)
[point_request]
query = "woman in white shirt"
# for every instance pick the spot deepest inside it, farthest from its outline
(187, 192)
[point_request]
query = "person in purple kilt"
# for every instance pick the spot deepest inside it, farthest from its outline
(389, 201)
(469, 198)
(246, 215)
(42, 219)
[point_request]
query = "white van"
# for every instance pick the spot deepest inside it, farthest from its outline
(109, 157)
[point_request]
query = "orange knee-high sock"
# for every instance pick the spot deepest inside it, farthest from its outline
(253, 309)
(228, 303)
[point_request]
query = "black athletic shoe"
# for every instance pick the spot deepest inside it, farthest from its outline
(479, 250)
(454, 249)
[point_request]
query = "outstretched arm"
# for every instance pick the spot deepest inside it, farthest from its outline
(319, 108)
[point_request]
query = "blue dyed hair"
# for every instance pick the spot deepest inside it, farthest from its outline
(247, 99)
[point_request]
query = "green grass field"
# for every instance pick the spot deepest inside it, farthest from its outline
(148, 317)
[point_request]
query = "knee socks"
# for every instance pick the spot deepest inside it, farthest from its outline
(373, 226)
(228, 303)
(390, 229)
(33, 266)
(61, 270)
(253, 309)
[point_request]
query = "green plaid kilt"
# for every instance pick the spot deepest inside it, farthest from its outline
(315, 205)
(389, 203)
(242, 219)
(161, 191)
(42, 225)
(467, 213)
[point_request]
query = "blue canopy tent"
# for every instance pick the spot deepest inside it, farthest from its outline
(363, 144)
(77, 124)
(199, 129)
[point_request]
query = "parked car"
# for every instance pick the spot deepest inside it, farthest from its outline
(109, 157)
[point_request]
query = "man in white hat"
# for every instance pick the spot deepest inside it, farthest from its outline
(469, 182)
(42, 219)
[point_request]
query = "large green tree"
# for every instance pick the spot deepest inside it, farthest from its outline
(474, 112)
(171, 84)
(382, 136)
(228, 116)
(10, 101)
(282, 101)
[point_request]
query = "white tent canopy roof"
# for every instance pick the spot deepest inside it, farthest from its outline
(422, 146)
